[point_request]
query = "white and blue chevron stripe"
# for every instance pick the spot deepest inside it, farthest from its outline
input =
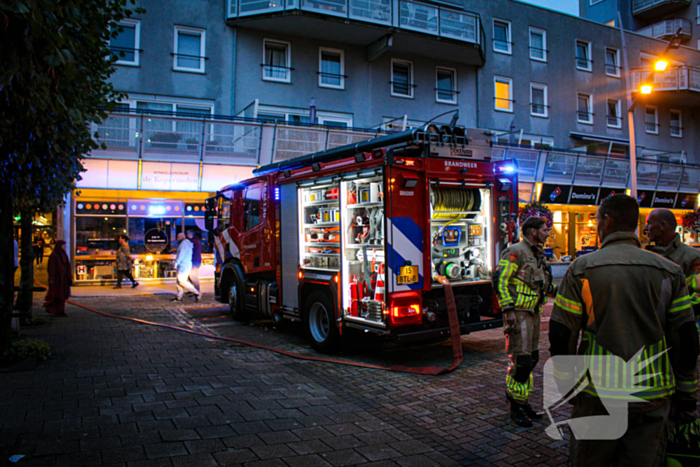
(406, 245)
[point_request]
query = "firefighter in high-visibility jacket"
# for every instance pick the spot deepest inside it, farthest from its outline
(638, 347)
(523, 279)
(661, 230)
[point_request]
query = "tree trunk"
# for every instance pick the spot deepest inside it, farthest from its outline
(7, 267)
(25, 296)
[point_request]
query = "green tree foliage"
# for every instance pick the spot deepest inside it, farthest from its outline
(54, 69)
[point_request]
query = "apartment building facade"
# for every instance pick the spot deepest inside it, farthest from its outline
(215, 88)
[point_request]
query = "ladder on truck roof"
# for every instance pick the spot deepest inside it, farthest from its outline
(444, 136)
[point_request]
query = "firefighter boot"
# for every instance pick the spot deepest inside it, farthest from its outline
(532, 413)
(519, 416)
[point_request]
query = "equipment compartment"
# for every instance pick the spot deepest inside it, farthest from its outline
(320, 225)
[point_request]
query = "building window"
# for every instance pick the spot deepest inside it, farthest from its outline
(538, 100)
(676, 124)
(190, 49)
(125, 46)
(501, 36)
(583, 56)
(331, 68)
(277, 61)
(402, 78)
(446, 85)
(503, 91)
(651, 120)
(584, 109)
(697, 14)
(538, 44)
(613, 116)
(612, 62)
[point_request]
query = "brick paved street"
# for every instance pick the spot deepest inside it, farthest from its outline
(116, 392)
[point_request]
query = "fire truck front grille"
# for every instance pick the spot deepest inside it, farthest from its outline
(372, 309)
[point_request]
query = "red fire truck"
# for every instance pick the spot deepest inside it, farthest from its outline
(359, 236)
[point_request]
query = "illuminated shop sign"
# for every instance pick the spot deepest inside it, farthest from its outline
(664, 199)
(100, 208)
(686, 201)
(584, 195)
(555, 194)
(155, 208)
(195, 209)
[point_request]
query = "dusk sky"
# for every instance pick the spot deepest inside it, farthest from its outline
(567, 6)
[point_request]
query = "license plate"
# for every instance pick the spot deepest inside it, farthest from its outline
(407, 275)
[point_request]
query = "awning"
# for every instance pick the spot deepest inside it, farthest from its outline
(606, 139)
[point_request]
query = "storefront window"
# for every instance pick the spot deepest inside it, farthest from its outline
(586, 234)
(197, 225)
(558, 239)
(146, 234)
(95, 235)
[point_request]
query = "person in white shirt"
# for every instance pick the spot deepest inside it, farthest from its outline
(183, 266)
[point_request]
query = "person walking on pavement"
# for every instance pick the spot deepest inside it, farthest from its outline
(661, 230)
(124, 263)
(523, 280)
(60, 280)
(38, 248)
(634, 314)
(196, 258)
(183, 265)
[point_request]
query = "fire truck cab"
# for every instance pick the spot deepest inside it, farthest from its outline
(359, 236)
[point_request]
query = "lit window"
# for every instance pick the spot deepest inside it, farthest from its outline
(332, 68)
(501, 36)
(189, 49)
(276, 61)
(612, 62)
(446, 85)
(584, 110)
(402, 78)
(503, 90)
(613, 116)
(651, 120)
(538, 100)
(676, 124)
(125, 46)
(583, 56)
(538, 44)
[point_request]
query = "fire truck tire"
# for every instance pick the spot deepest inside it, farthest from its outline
(234, 292)
(319, 322)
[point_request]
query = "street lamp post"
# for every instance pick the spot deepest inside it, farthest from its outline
(647, 87)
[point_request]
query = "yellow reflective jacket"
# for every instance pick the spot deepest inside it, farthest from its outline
(625, 300)
(523, 277)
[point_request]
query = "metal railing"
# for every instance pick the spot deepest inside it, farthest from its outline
(639, 6)
(403, 14)
(683, 78)
(668, 28)
(573, 168)
(212, 140)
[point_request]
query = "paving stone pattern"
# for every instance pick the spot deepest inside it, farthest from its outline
(115, 392)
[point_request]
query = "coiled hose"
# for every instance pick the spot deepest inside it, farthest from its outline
(453, 199)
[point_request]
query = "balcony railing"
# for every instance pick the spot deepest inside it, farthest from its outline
(667, 28)
(572, 168)
(212, 140)
(403, 14)
(684, 78)
(641, 6)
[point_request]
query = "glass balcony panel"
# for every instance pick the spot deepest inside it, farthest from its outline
(498, 154)
(616, 173)
(232, 8)
(291, 142)
(232, 143)
(559, 168)
(373, 11)
(336, 139)
(251, 7)
(327, 7)
(669, 177)
(690, 182)
(458, 25)
(639, 6)
(589, 170)
(418, 17)
(121, 135)
(527, 163)
(647, 175)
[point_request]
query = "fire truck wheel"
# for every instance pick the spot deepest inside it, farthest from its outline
(319, 322)
(234, 292)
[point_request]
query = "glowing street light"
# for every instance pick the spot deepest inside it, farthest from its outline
(660, 65)
(646, 89)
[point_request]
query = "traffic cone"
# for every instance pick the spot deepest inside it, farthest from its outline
(379, 289)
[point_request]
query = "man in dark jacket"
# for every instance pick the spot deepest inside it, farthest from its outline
(638, 338)
(196, 258)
